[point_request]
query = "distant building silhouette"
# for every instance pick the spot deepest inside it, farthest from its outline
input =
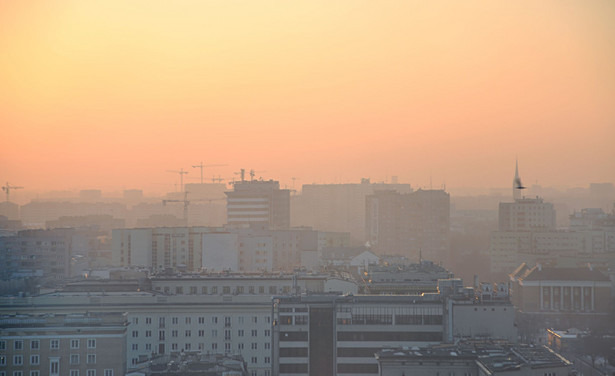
(409, 224)
(258, 203)
(338, 207)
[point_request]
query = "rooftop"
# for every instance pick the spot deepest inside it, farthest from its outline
(541, 273)
(492, 355)
(68, 320)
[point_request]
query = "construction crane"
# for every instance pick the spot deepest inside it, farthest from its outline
(186, 202)
(218, 179)
(201, 166)
(7, 188)
(181, 173)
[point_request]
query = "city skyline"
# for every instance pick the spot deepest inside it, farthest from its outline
(111, 96)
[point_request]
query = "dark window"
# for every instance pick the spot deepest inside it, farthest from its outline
(390, 336)
(293, 352)
(294, 368)
(353, 352)
(357, 368)
(293, 336)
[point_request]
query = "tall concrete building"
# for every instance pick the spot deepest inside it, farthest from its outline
(338, 207)
(409, 224)
(43, 253)
(527, 233)
(258, 202)
(526, 214)
(339, 335)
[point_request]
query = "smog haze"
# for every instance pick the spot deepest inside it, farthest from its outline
(112, 94)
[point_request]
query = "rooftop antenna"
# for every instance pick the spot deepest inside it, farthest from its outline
(242, 173)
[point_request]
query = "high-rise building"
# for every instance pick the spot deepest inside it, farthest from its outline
(43, 253)
(338, 207)
(409, 224)
(258, 202)
(527, 234)
(526, 214)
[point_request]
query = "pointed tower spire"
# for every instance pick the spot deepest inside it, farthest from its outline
(517, 186)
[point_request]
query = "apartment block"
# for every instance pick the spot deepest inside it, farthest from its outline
(410, 224)
(63, 344)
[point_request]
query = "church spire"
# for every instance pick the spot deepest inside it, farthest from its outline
(517, 185)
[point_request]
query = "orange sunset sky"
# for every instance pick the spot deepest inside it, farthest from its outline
(112, 94)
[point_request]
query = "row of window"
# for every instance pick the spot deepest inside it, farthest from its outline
(18, 360)
(201, 346)
(200, 333)
(201, 320)
(214, 290)
(54, 344)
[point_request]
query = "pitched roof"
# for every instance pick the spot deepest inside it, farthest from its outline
(538, 273)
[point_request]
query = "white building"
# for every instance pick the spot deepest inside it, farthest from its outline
(220, 251)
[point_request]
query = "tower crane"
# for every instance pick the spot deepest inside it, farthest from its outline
(7, 188)
(181, 173)
(218, 179)
(186, 202)
(201, 166)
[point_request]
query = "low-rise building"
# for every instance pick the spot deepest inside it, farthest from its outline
(338, 335)
(404, 279)
(549, 290)
(63, 344)
(473, 358)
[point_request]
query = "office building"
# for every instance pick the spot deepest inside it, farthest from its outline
(338, 207)
(410, 224)
(45, 254)
(526, 214)
(338, 335)
(258, 203)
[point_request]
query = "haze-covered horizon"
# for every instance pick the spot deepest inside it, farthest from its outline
(108, 95)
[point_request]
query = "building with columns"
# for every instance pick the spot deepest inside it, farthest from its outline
(549, 290)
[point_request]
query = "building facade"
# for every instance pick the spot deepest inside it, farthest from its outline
(549, 290)
(339, 335)
(258, 202)
(409, 224)
(63, 344)
(526, 214)
(338, 207)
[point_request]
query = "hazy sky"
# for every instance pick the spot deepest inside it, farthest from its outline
(111, 94)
